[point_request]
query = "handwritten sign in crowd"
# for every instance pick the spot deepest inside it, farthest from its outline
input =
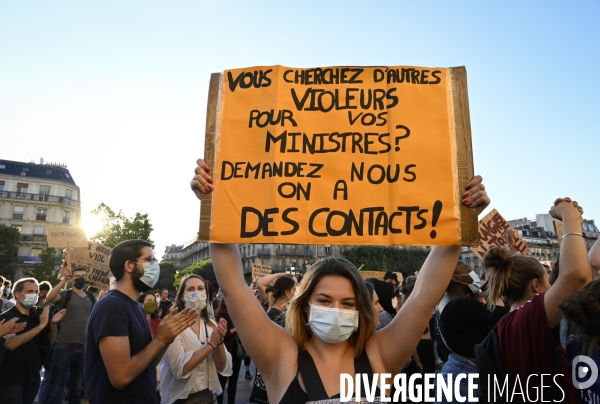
(58, 236)
(372, 274)
(95, 258)
(491, 234)
(260, 271)
(344, 155)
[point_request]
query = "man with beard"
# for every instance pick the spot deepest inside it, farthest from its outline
(120, 354)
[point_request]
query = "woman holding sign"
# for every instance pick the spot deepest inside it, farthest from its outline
(331, 318)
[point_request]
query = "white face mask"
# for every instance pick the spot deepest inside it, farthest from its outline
(158, 300)
(30, 300)
(332, 325)
(196, 300)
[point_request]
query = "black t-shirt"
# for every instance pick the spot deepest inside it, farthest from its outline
(116, 314)
(165, 305)
(22, 366)
(276, 316)
(465, 322)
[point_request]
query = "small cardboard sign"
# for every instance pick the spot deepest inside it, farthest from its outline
(260, 271)
(372, 274)
(59, 235)
(491, 234)
(95, 258)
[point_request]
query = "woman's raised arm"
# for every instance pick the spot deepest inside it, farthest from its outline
(266, 342)
(394, 344)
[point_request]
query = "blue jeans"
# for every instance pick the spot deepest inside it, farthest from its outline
(19, 394)
(46, 385)
(65, 358)
(455, 366)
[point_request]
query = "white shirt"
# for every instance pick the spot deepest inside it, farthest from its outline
(173, 384)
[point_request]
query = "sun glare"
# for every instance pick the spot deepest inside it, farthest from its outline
(92, 224)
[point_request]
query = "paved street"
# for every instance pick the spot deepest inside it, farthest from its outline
(244, 387)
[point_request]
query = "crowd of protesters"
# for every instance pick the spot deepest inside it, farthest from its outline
(132, 344)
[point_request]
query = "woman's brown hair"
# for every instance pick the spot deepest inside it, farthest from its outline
(279, 286)
(179, 303)
(509, 275)
(582, 309)
(297, 319)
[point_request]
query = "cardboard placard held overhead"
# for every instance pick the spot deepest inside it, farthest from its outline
(59, 235)
(491, 234)
(260, 271)
(344, 155)
(95, 258)
(372, 274)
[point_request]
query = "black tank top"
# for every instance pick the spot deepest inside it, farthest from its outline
(315, 391)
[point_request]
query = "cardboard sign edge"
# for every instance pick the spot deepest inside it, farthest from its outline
(468, 230)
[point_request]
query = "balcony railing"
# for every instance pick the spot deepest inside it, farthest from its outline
(39, 198)
(39, 238)
(263, 251)
(17, 215)
(40, 217)
(301, 252)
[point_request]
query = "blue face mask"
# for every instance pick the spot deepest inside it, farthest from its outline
(30, 300)
(475, 285)
(151, 274)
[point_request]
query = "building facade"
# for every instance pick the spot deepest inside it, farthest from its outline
(541, 238)
(172, 253)
(33, 197)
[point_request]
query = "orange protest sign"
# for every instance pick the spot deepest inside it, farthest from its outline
(491, 234)
(349, 155)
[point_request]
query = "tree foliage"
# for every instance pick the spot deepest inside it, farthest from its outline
(406, 260)
(44, 271)
(167, 276)
(117, 227)
(203, 268)
(9, 247)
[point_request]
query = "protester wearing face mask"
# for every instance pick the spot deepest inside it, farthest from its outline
(68, 350)
(5, 304)
(22, 353)
(464, 321)
(120, 353)
(330, 322)
(190, 367)
(7, 292)
(150, 306)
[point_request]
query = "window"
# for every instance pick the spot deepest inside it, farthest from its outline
(67, 175)
(17, 226)
(280, 261)
(265, 261)
(48, 172)
(1, 186)
(35, 252)
(2, 166)
(39, 230)
(327, 248)
(18, 212)
(22, 190)
(41, 214)
(44, 193)
(68, 196)
(26, 169)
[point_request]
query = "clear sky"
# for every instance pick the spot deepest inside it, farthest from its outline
(117, 90)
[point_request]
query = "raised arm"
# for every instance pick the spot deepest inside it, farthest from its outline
(267, 344)
(54, 295)
(575, 270)
(394, 344)
(262, 284)
(264, 340)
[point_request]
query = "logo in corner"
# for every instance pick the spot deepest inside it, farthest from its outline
(582, 368)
